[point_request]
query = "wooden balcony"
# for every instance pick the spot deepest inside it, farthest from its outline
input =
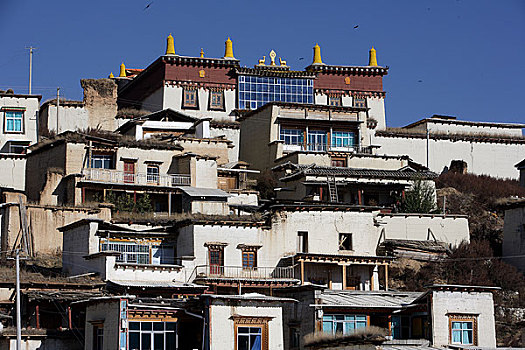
(112, 176)
(204, 272)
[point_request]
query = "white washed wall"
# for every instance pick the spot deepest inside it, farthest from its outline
(474, 303)
(13, 172)
(222, 329)
(449, 229)
(495, 159)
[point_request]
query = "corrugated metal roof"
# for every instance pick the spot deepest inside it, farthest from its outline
(202, 192)
(366, 299)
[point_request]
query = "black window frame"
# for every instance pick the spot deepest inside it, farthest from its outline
(185, 104)
(211, 107)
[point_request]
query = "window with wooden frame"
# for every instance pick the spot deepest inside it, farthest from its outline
(216, 258)
(343, 324)
(98, 336)
(249, 255)
(190, 99)
(102, 160)
(249, 260)
(335, 100)
(251, 333)
(339, 162)
(359, 101)
(345, 241)
(463, 329)
(216, 101)
(152, 175)
(302, 242)
(295, 338)
(13, 121)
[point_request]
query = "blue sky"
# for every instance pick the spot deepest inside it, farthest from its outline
(452, 57)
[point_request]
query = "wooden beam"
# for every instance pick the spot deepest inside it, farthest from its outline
(372, 278)
(344, 277)
(302, 272)
(386, 277)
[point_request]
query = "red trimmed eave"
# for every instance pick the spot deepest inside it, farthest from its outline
(146, 82)
(12, 155)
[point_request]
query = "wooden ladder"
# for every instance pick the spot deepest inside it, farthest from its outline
(332, 188)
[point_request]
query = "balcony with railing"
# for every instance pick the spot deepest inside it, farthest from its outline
(204, 272)
(324, 147)
(112, 176)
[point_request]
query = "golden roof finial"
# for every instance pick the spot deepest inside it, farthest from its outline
(111, 76)
(317, 55)
(170, 47)
(122, 70)
(202, 53)
(272, 58)
(228, 52)
(372, 58)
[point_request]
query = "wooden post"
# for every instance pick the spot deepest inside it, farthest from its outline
(302, 272)
(70, 324)
(344, 277)
(359, 197)
(169, 203)
(386, 277)
(37, 311)
(372, 279)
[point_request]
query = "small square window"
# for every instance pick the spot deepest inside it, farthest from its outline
(190, 99)
(463, 330)
(13, 121)
(345, 241)
(216, 100)
(334, 101)
(152, 175)
(359, 102)
(339, 162)
(249, 260)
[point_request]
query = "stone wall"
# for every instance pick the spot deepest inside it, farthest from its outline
(514, 237)
(108, 312)
(43, 222)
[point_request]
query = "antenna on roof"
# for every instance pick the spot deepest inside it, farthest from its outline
(30, 48)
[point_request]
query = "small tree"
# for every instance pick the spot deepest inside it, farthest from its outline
(419, 199)
(125, 202)
(266, 183)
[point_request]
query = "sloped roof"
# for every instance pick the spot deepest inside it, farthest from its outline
(429, 246)
(366, 299)
(520, 165)
(167, 114)
(302, 170)
(202, 192)
(155, 284)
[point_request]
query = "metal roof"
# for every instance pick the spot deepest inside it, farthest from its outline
(366, 299)
(202, 192)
